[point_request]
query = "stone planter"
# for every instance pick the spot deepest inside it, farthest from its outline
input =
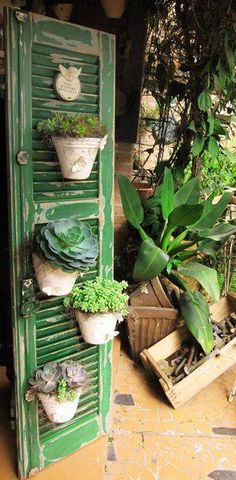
(77, 155)
(52, 280)
(58, 411)
(98, 328)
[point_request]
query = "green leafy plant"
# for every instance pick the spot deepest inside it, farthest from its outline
(76, 125)
(186, 225)
(99, 296)
(218, 172)
(68, 243)
(59, 379)
(190, 71)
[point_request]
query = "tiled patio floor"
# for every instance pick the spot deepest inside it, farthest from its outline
(149, 439)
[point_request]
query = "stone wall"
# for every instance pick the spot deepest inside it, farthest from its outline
(124, 165)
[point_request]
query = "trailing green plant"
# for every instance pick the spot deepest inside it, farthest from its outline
(58, 379)
(184, 225)
(69, 244)
(75, 125)
(190, 70)
(99, 295)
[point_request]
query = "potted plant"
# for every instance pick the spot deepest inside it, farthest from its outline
(58, 386)
(164, 222)
(77, 139)
(98, 305)
(63, 250)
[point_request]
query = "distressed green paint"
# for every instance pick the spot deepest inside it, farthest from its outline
(42, 331)
(64, 35)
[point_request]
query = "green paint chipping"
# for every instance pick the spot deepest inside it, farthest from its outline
(38, 194)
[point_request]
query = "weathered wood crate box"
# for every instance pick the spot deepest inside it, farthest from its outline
(151, 318)
(200, 378)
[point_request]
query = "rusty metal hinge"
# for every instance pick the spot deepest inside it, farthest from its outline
(21, 16)
(22, 157)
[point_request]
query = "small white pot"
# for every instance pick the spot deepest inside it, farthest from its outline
(98, 328)
(56, 411)
(76, 155)
(113, 8)
(52, 280)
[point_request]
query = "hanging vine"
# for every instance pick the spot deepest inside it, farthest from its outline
(190, 71)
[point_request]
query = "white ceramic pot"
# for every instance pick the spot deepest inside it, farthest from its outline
(56, 411)
(98, 328)
(113, 8)
(52, 280)
(62, 11)
(76, 155)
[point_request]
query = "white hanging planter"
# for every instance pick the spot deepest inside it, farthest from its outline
(52, 280)
(77, 155)
(113, 8)
(59, 411)
(98, 328)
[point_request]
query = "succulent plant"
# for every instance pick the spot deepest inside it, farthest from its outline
(76, 125)
(59, 379)
(74, 374)
(68, 243)
(99, 295)
(46, 379)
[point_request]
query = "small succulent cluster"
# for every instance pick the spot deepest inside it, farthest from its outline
(99, 296)
(60, 379)
(76, 125)
(69, 244)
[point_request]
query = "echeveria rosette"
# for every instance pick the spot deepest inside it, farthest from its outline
(74, 374)
(59, 379)
(69, 244)
(46, 379)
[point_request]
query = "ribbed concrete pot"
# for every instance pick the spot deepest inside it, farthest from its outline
(98, 328)
(52, 280)
(56, 411)
(77, 155)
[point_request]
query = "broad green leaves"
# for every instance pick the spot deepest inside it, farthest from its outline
(184, 215)
(195, 312)
(212, 212)
(167, 194)
(204, 102)
(189, 193)
(198, 144)
(131, 202)
(219, 233)
(151, 261)
(206, 276)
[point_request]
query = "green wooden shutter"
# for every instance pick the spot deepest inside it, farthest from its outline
(42, 332)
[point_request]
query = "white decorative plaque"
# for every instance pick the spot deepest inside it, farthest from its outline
(67, 83)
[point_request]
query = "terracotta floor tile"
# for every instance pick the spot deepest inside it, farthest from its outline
(150, 440)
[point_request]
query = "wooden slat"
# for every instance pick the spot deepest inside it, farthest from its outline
(156, 312)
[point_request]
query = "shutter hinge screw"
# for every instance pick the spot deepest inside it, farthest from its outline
(22, 157)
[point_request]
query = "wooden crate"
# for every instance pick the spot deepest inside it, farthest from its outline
(151, 318)
(179, 393)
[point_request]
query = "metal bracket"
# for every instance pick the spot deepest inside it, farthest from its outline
(22, 157)
(30, 304)
(21, 17)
